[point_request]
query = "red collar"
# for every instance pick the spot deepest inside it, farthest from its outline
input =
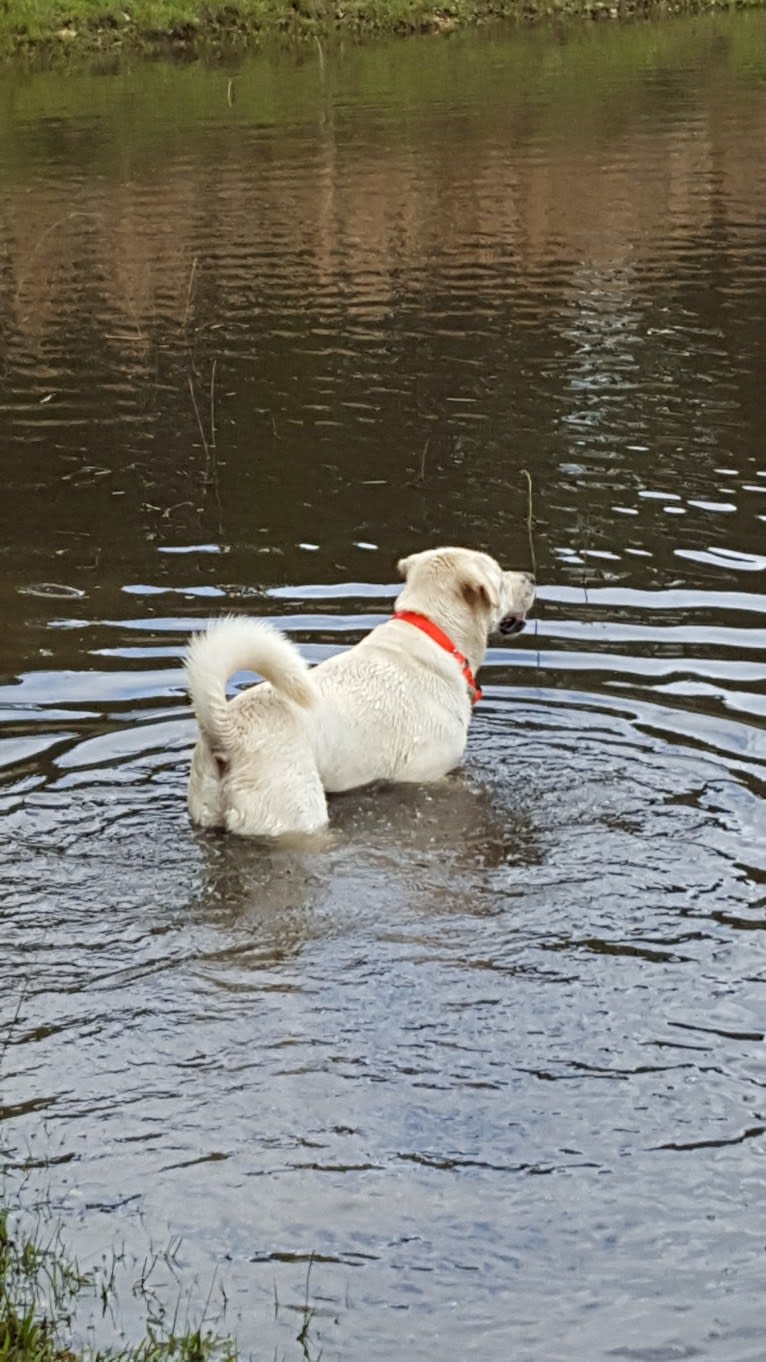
(444, 641)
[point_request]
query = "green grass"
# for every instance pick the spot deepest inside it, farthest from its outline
(59, 26)
(40, 1287)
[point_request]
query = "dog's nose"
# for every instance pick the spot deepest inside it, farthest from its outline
(529, 577)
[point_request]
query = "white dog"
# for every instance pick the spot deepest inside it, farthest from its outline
(394, 707)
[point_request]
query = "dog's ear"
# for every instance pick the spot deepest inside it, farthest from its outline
(404, 565)
(478, 589)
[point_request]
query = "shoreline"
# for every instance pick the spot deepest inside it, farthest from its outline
(55, 29)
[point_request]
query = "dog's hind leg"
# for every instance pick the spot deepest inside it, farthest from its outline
(205, 795)
(275, 802)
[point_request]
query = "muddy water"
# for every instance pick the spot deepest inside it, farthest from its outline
(495, 1057)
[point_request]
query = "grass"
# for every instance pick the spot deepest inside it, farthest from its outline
(60, 26)
(40, 1287)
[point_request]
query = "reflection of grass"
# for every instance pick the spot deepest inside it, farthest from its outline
(556, 72)
(39, 1288)
(64, 25)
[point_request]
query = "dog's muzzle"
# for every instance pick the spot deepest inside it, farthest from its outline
(514, 623)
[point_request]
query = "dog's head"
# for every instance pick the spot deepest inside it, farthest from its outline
(469, 577)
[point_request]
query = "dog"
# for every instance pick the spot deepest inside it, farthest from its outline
(395, 707)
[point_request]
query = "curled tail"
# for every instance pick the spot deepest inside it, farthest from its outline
(234, 644)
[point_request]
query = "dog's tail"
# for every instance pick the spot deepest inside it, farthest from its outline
(234, 644)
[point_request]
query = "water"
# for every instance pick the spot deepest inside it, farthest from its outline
(495, 1057)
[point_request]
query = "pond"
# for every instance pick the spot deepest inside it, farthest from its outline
(484, 1077)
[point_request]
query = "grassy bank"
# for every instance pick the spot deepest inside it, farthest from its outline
(59, 26)
(41, 1288)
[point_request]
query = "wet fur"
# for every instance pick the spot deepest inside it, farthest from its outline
(394, 707)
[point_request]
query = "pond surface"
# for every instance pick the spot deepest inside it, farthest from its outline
(495, 1057)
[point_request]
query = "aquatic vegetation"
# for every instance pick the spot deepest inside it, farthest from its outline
(41, 1286)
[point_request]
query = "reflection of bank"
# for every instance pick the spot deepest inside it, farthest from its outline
(335, 209)
(336, 194)
(389, 275)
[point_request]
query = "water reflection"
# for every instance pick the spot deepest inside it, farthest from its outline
(403, 264)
